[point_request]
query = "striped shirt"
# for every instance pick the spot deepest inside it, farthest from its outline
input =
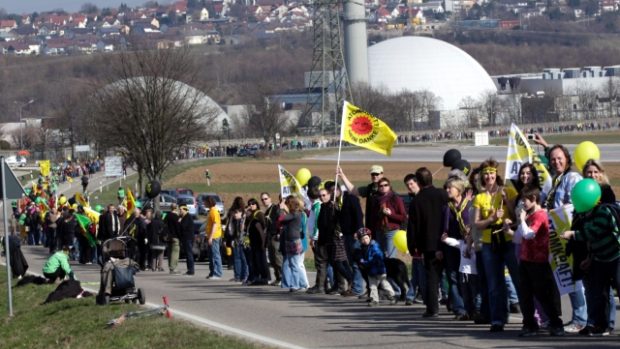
(599, 228)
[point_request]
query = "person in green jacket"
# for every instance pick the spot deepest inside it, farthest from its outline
(57, 266)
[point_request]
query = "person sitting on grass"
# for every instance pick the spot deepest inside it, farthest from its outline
(373, 263)
(57, 266)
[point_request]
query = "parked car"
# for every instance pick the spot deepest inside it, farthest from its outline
(184, 191)
(188, 201)
(170, 192)
(16, 161)
(203, 210)
(165, 202)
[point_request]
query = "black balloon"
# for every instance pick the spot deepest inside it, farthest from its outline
(451, 157)
(152, 189)
(463, 165)
(314, 181)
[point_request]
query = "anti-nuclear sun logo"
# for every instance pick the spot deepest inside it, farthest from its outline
(361, 125)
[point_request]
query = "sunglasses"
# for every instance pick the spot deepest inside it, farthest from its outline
(264, 199)
(383, 185)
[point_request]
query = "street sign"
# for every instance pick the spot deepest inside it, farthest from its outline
(14, 189)
(113, 166)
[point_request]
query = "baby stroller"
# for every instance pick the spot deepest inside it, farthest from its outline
(117, 273)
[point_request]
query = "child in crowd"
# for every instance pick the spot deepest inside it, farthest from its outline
(373, 262)
(468, 274)
(535, 273)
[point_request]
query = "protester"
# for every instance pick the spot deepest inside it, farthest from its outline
(57, 266)
(51, 229)
(535, 274)
(498, 251)
(424, 230)
(237, 236)
(456, 226)
(174, 238)
(374, 266)
(320, 245)
(255, 225)
(272, 212)
(564, 179)
(331, 232)
(187, 238)
(600, 229)
(293, 232)
(390, 214)
(595, 170)
(214, 239)
(156, 231)
(370, 192)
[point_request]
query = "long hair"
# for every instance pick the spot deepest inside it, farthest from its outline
(535, 179)
(569, 159)
(599, 166)
(492, 163)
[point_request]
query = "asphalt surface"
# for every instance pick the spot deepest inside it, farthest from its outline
(275, 317)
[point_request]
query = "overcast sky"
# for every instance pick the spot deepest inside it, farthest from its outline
(28, 6)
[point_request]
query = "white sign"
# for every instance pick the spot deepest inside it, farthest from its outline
(481, 138)
(82, 148)
(113, 166)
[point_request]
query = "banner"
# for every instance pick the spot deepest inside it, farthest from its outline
(289, 185)
(561, 264)
(113, 166)
(364, 130)
(44, 167)
(520, 152)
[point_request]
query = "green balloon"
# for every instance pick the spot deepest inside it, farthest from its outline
(585, 195)
(99, 208)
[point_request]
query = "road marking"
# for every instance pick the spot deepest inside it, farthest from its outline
(231, 330)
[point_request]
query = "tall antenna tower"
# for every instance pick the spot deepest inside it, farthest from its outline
(327, 81)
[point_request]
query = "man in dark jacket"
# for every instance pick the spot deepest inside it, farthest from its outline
(424, 231)
(187, 238)
(172, 221)
(351, 218)
(272, 212)
(109, 224)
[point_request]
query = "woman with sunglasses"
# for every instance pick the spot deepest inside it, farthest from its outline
(391, 215)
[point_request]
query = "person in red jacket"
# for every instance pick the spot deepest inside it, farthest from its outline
(390, 216)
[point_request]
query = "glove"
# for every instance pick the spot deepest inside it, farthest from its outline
(146, 241)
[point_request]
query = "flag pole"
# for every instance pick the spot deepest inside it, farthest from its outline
(344, 110)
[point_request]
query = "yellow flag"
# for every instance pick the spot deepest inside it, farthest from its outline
(44, 167)
(364, 130)
(80, 199)
(131, 203)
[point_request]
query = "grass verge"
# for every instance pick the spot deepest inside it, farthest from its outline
(79, 323)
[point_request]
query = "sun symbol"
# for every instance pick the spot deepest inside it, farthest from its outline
(361, 125)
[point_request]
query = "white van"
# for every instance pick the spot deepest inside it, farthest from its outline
(15, 161)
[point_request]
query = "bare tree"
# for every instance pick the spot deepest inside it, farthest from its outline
(471, 110)
(611, 95)
(491, 106)
(148, 110)
(587, 101)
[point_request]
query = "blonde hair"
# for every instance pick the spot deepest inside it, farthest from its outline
(294, 204)
(457, 183)
(599, 166)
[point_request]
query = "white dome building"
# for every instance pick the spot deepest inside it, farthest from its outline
(416, 63)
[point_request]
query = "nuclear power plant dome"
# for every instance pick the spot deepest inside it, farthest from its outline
(416, 63)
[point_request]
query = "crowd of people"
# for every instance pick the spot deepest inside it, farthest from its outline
(479, 245)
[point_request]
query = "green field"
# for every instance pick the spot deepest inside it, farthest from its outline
(572, 138)
(79, 323)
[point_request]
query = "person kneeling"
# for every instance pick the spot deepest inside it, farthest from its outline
(373, 263)
(57, 266)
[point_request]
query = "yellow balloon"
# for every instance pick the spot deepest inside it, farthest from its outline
(302, 176)
(400, 241)
(62, 200)
(586, 151)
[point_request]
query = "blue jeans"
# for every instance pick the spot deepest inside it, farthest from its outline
(494, 264)
(418, 279)
(292, 272)
(240, 264)
(351, 244)
(386, 241)
(512, 291)
(454, 294)
(215, 258)
(578, 302)
(189, 255)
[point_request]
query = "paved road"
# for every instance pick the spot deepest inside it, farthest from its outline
(276, 317)
(434, 153)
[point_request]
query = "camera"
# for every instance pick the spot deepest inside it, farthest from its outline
(531, 136)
